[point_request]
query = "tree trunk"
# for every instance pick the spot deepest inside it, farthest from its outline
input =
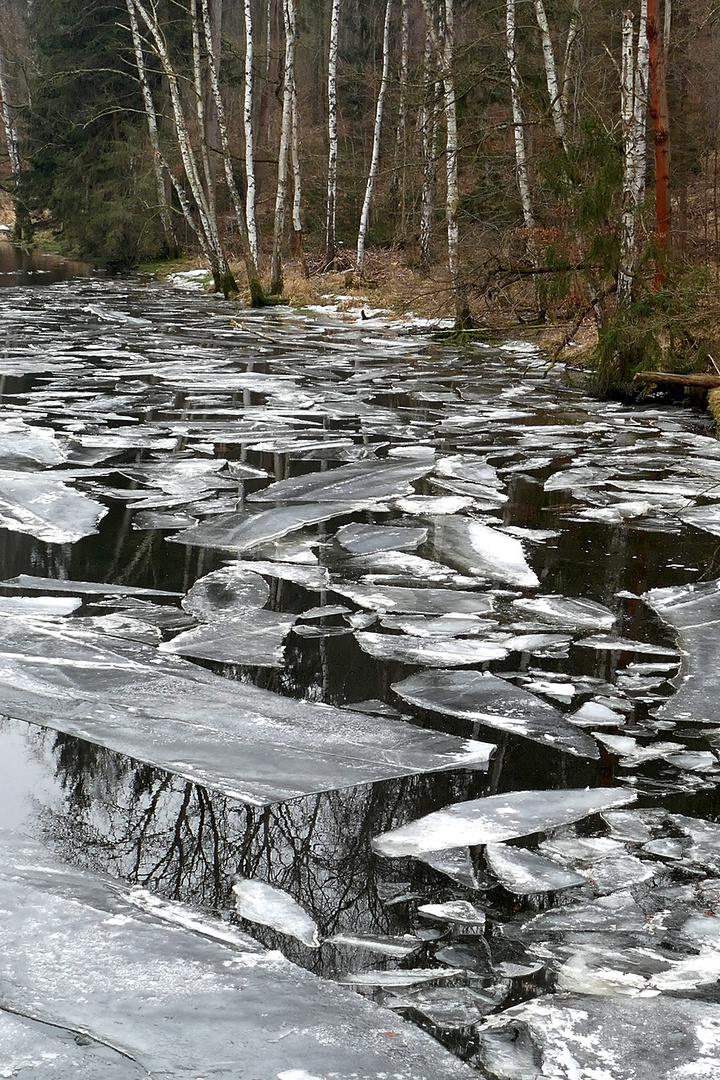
(399, 179)
(330, 237)
(429, 129)
(171, 243)
(571, 42)
(521, 164)
(198, 81)
(276, 278)
(640, 109)
(297, 229)
(661, 136)
(445, 56)
(22, 229)
(250, 188)
(627, 221)
(375, 159)
(551, 76)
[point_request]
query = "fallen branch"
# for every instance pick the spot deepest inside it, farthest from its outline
(666, 378)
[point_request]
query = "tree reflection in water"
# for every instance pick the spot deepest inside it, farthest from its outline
(184, 842)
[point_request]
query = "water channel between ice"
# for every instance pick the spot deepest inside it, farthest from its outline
(277, 586)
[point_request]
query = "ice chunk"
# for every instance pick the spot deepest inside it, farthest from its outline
(487, 700)
(36, 504)
(625, 645)
(32, 606)
(259, 902)
(252, 744)
(314, 578)
(584, 1036)
(457, 864)
(392, 566)
(593, 714)
(360, 481)
(444, 626)
(254, 638)
(468, 467)
(477, 549)
(364, 539)
(399, 977)
(24, 446)
(226, 593)
(498, 818)
(28, 583)
(422, 601)
(575, 614)
(241, 532)
(632, 753)
(703, 517)
(523, 872)
(461, 912)
(428, 651)
(433, 504)
(399, 947)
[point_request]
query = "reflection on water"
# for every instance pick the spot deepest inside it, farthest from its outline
(19, 266)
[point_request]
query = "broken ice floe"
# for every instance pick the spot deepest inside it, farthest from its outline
(226, 593)
(386, 598)
(498, 818)
(43, 507)
(428, 651)
(259, 902)
(240, 532)
(476, 549)
(488, 701)
(252, 744)
(524, 872)
(364, 481)
(365, 539)
(254, 638)
(575, 614)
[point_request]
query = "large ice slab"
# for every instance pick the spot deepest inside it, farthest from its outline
(112, 986)
(31, 584)
(694, 612)
(474, 548)
(429, 651)
(240, 532)
(498, 818)
(36, 504)
(254, 638)
(485, 699)
(613, 1038)
(393, 598)
(252, 744)
(357, 482)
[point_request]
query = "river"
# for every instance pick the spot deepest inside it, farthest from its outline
(449, 595)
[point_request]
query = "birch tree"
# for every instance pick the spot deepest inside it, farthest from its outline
(444, 51)
(330, 237)
(521, 163)
(250, 184)
(429, 128)
(297, 228)
(401, 140)
(22, 228)
(633, 113)
(375, 158)
(276, 278)
(571, 43)
(551, 76)
(151, 116)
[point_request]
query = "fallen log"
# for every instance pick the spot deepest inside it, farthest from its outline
(666, 378)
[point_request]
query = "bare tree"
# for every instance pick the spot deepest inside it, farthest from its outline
(661, 135)
(250, 186)
(158, 161)
(551, 76)
(429, 127)
(375, 158)
(521, 162)
(22, 228)
(330, 237)
(276, 278)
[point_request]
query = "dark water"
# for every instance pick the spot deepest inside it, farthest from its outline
(21, 267)
(94, 360)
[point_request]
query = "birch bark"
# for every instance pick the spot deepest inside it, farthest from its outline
(521, 164)
(251, 187)
(202, 128)
(151, 116)
(401, 141)
(445, 56)
(375, 159)
(330, 237)
(22, 227)
(571, 43)
(297, 229)
(429, 135)
(551, 76)
(627, 220)
(276, 279)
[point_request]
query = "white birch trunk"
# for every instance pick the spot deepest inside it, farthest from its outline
(200, 102)
(330, 237)
(151, 116)
(13, 146)
(276, 280)
(297, 177)
(521, 164)
(445, 55)
(375, 159)
(251, 186)
(429, 135)
(627, 220)
(551, 76)
(571, 42)
(667, 27)
(250, 263)
(212, 247)
(640, 110)
(401, 143)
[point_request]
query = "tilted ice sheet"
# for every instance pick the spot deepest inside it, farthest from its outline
(498, 818)
(487, 700)
(570, 612)
(603, 1038)
(388, 598)
(694, 612)
(428, 651)
(225, 593)
(29, 583)
(474, 548)
(175, 997)
(241, 532)
(524, 872)
(252, 744)
(357, 482)
(365, 539)
(254, 638)
(38, 505)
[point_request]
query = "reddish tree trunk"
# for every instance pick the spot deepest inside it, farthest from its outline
(661, 136)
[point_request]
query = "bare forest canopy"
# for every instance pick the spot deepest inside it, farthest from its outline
(550, 155)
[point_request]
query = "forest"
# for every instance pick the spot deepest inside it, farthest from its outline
(526, 161)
